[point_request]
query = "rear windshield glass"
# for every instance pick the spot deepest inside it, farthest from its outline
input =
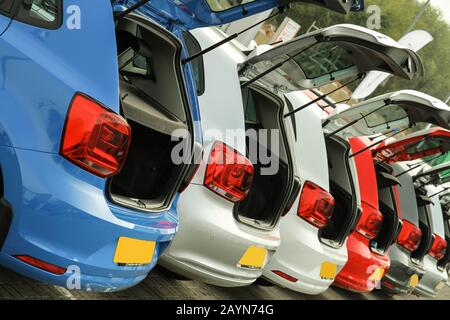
(221, 5)
(384, 115)
(323, 59)
(299, 69)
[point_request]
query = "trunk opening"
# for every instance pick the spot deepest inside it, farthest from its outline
(427, 235)
(154, 102)
(388, 208)
(269, 193)
(346, 212)
(442, 264)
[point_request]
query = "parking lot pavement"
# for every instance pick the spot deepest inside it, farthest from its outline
(161, 285)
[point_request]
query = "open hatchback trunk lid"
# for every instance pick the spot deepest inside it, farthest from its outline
(203, 13)
(414, 146)
(433, 175)
(328, 55)
(390, 112)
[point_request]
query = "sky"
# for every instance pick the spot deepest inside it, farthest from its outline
(444, 5)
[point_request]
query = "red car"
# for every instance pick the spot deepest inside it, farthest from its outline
(380, 223)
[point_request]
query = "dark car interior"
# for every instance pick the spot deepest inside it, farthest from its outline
(388, 208)
(263, 114)
(342, 188)
(153, 101)
(424, 224)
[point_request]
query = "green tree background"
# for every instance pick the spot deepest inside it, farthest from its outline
(396, 17)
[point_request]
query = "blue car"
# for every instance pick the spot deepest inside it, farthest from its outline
(90, 101)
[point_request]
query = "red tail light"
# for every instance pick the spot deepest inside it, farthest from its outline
(370, 222)
(229, 173)
(95, 138)
(410, 236)
(42, 265)
(438, 248)
(316, 205)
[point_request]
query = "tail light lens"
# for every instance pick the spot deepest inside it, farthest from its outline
(42, 265)
(438, 248)
(370, 223)
(410, 236)
(316, 205)
(229, 173)
(285, 276)
(95, 138)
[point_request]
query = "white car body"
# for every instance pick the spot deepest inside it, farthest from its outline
(301, 253)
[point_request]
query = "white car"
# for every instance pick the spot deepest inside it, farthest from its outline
(229, 227)
(313, 245)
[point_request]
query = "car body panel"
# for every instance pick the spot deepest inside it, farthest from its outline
(397, 279)
(184, 251)
(57, 65)
(5, 20)
(353, 276)
(192, 14)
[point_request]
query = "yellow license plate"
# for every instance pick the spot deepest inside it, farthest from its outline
(134, 251)
(377, 275)
(328, 271)
(413, 281)
(253, 258)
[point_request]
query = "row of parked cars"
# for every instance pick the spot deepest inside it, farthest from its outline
(144, 135)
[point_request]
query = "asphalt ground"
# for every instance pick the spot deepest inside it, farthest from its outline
(163, 285)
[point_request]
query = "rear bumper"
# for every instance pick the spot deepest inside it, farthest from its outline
(358, 274)
(433, 278)
(301, 255)
(396, 281)
(210, 242)
(61, 216)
